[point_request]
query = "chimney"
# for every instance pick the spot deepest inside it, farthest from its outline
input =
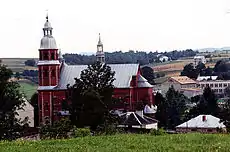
(204, 118)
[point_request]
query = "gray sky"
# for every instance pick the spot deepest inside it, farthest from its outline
(124, 24)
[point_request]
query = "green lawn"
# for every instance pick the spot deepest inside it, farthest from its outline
(28, 88)
(125, 143)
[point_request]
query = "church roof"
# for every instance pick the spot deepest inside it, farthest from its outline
(123, 74)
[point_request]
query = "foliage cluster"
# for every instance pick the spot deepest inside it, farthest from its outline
(30, 62)
(128, 57)
(81, 132)
(157, 132)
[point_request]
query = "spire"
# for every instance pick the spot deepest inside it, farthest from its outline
(100, 54)
(47, 27)
(99, 41)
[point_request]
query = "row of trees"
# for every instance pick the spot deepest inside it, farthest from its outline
(221, 69)
(127, 57)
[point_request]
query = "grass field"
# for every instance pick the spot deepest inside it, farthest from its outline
(125, 143)
(16, 64)
(28, 88)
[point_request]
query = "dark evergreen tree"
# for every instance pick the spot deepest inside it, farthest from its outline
(34, 103)
(148, 74)
(10, 100)
(91, 96)
(171, 109)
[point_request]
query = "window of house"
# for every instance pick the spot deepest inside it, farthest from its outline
(220, 85)
(216, 85)
(198, 85)
(206, 85)
(220, 90)
(52, 56)
(202, 85)
(211, 85)
(225, 85)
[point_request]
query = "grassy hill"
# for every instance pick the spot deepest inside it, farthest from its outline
(28, 88)
(126, 143)
(16, 64)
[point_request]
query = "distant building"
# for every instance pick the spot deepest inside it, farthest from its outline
(201, 123)
(218, 86)
(183, 84)
(163, 58)
(198, 59)
(133, 120)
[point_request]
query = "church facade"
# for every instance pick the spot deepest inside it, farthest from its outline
(55, 75)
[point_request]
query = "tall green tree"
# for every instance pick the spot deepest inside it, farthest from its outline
(91, 96)
(34, 103)
(10, 101)
(171, 109)
(206, 104)
(148, 74)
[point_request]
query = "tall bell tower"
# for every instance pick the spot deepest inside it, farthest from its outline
(100, 55)
(49, 73)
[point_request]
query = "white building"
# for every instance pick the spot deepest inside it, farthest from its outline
(218, 86)
(198, 59)
(201, 123)
(163, 58)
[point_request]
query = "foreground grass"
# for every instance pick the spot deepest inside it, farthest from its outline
(124, 143)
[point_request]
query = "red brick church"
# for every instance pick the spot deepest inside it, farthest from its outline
(55, 75)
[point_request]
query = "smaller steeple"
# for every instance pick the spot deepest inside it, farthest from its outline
(100, 54)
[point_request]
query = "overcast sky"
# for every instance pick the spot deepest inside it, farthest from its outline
(145, 25)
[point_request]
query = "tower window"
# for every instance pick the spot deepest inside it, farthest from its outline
(52, 56)
(46, 56)
(53, 73)
(45, 73)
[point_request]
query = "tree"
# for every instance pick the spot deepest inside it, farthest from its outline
(30, 62)
(10, 100)
(34, 103)
(148, 74)
(189, 71)
(171, 110)
(206, 104)
(224, 115)
(91, 96)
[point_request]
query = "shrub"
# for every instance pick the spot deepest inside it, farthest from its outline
(157, 132)
(60, 129)
(81, 132)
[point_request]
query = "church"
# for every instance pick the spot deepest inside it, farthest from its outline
(55, 75)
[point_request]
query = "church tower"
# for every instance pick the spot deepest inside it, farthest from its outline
(49, 73)
(100, 55)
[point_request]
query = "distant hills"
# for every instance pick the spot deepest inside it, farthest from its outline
(214, 49)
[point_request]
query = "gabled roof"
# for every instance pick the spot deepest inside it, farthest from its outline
(133, 119)
(142, 82)
(123, 74)
(198, 122)
(183, 80)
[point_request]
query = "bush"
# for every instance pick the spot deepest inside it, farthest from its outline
(59, 130)
(157, 132)
(81, 132)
